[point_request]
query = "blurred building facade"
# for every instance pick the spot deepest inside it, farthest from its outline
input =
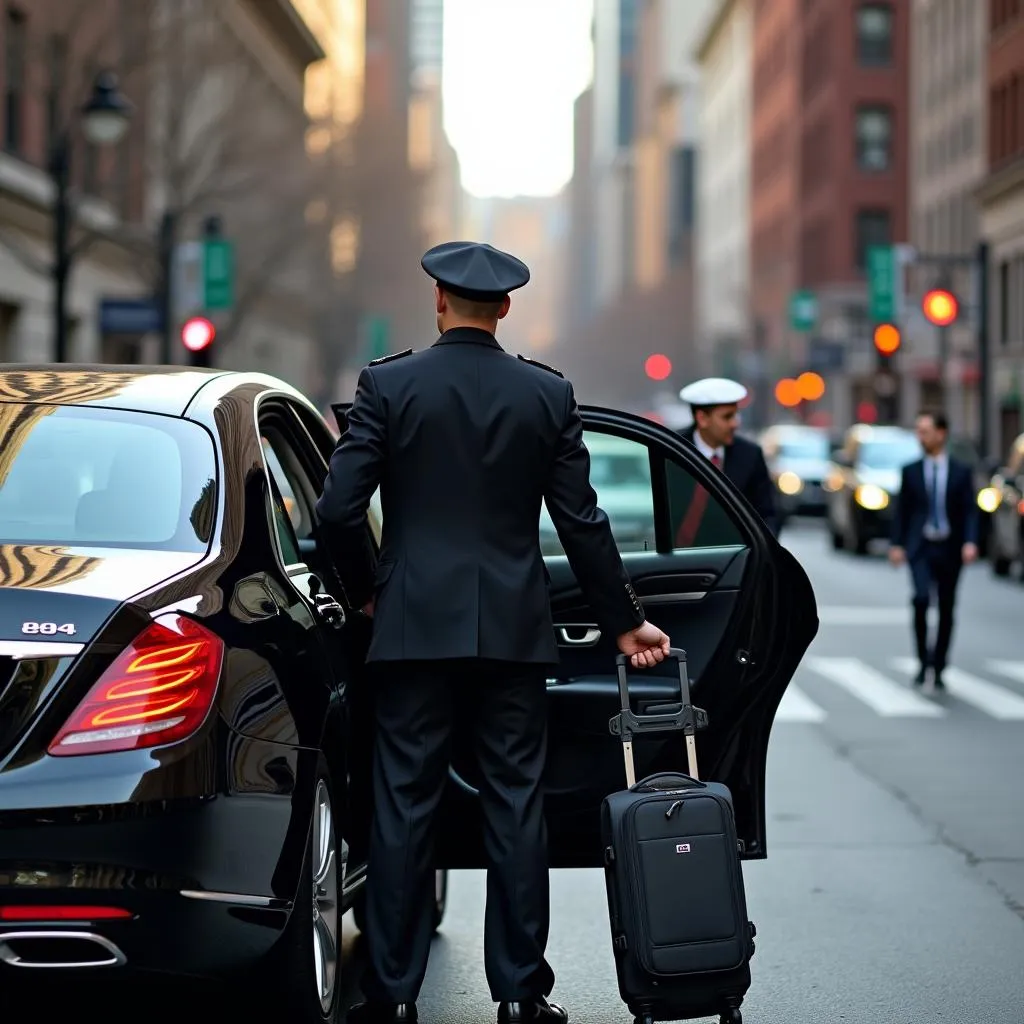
(632, 201)
(1001, 195)
(723, 227)
(534, 228)
(48, 59)
(948, 154)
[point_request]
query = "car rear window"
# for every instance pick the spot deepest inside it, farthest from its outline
(104, 478)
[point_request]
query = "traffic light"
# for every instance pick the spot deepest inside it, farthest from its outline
(197, 334)
(658, 366)
(887, 339)
(940, 307)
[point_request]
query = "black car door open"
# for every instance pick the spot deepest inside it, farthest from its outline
(711, 575)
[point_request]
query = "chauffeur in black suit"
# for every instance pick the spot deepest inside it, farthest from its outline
(714, 402)
(465, 441)
(935, 530)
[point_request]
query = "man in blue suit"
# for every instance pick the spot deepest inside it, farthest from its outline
(935, 530)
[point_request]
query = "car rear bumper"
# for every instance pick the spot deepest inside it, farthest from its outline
(208, 877)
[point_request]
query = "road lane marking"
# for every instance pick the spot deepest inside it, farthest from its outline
(796, 706)
(864, 615)
(880, 693)
(1011, 669)
(994, 700)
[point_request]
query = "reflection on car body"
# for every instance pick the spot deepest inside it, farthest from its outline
(184, 781)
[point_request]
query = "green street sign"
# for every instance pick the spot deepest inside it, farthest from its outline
(377, 332)
(803, 310)
(882, 269)
(218, 274)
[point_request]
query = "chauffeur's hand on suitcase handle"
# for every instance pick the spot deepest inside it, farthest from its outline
(645, 646)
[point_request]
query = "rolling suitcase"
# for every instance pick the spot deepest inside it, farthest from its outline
(680, 933)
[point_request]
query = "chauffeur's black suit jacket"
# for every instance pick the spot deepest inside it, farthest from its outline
(465, 441)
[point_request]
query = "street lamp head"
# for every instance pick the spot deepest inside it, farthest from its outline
(106, 115)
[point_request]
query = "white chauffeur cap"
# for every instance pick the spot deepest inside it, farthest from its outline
(713, 391)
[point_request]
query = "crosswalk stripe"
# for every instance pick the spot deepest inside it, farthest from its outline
(990, 698)
(796, 706)
(1011, 669)
(889, 699)
(863, 615)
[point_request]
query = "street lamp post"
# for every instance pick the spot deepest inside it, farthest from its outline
(105, 119)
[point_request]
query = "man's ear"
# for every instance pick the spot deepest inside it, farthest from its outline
(506, 305)
(440, 299)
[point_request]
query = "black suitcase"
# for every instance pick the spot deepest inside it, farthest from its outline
(680, 933)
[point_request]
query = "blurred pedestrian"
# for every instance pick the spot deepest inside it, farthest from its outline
(465, 441)
(935, 530)
(714, 402)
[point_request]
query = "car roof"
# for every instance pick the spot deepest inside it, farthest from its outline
(156, 389)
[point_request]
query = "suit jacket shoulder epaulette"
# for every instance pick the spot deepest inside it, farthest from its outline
(388, 358)
(543, 366)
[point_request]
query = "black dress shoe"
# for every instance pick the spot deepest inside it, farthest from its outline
(919, 678)
(538, 1009)
(382, 1013)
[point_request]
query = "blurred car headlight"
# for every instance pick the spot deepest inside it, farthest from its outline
(871, 497)
(833, 482)
(989, 499)
(789, 483)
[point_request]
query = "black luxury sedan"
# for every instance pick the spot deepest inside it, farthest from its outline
(184, 718)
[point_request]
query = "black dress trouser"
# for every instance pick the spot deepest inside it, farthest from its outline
(505, 709)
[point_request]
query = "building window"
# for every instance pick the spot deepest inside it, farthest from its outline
(874, 138)
(872, 227)
(14, 80)
(874, 35)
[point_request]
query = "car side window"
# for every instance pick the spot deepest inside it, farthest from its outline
(292, 518)
(697, 519)
(620, 473)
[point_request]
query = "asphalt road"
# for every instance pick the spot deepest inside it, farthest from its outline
(894, 885)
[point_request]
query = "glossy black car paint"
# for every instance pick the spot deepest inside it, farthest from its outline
(226, 812)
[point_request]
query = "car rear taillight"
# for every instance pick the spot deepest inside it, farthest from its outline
(157, 691)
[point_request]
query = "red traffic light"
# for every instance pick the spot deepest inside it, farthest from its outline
(197, 333)
(887, 339)
(658, 366)
(940, 307)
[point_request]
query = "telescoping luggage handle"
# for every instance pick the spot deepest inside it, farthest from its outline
(687, 720)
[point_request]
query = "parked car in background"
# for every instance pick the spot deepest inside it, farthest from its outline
(863, 481)
(798, 458)
(1003, 499)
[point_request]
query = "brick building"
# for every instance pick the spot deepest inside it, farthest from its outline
(1001, 196)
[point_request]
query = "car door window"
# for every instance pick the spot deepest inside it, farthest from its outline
(293, 518)
(697, 519)
(620, 473)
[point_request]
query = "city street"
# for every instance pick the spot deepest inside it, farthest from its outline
(894, 886)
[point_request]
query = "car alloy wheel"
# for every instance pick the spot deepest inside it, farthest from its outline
(324, 863)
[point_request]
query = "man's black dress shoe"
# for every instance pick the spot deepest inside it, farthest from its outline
(532, 1010)
(919, 678)
(382, 1013)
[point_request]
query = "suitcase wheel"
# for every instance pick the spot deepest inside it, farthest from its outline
(644, 1018)
(731, 1016)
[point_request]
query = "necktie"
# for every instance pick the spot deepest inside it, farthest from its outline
(687, 532)
(933, 497)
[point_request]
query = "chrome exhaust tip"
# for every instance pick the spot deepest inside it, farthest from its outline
(61, 949)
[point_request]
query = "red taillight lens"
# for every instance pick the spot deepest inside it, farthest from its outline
(158, 690)
(63, 913)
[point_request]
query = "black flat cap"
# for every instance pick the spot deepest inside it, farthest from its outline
(475, 270)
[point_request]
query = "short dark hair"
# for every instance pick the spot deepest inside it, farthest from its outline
(937, 416)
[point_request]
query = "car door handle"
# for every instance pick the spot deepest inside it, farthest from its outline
(329, 609)
(591, 635)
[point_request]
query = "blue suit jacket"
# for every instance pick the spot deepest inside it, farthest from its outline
(912, 508)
